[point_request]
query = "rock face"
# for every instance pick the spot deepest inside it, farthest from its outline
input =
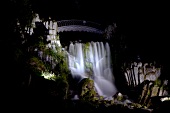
(87, 89)
(145, 82)
(136, 73)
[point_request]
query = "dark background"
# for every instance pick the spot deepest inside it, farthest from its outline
(145, 26)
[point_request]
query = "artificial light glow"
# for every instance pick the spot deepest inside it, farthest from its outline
(165, 99)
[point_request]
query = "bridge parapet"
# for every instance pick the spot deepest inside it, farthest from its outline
(79, 22)
(79, 25)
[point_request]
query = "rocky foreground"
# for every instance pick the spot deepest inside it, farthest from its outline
(42, 96)
(34, 103)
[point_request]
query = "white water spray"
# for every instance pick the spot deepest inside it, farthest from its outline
(96, 58)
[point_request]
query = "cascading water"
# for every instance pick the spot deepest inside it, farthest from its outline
(93, 60)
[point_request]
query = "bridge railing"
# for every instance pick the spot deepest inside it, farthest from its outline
(79, 22)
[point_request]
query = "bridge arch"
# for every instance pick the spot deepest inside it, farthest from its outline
(79, 25)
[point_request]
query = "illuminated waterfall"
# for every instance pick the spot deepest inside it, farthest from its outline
(93, 60)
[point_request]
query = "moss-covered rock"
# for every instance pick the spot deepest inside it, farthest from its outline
(88, 94)
(87, 89)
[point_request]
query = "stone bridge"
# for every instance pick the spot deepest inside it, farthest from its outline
(79, 25)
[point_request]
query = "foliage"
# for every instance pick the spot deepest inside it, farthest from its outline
(36, 65)
(49, 76)
(136, 105)
(21, 49)
(86, 48)
(61, 67)
(22, 12)
(157, 82)
(58, 66)
(88, 64)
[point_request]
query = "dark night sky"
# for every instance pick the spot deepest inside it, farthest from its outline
(133, 18)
